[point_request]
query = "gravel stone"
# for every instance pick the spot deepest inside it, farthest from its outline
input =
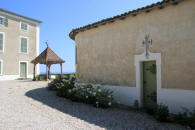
(28, 105)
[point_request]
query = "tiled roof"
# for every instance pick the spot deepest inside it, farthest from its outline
(12, 13)
(133, 13)
(48, 57)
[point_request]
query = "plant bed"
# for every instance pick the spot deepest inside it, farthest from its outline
(161, 113)
(187, 118)
(96, 95)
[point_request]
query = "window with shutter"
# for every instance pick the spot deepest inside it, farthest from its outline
(23, 45)
(3, 21)
(1, 67)
(1, 42)
(24, 26)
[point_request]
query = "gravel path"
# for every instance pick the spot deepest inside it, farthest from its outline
(26, 105)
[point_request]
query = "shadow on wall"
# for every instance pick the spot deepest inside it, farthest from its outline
(111, 118)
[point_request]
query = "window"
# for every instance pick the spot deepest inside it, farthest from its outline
(1, 67)
(24, 26)
(1, 41)
(3, 21)
(23, 45)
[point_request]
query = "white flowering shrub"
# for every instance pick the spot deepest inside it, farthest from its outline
(96, 95)
(86, 93)
(104, 97)
(63, 88)
(53, 84)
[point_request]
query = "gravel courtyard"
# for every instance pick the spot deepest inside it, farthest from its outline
(26, 105)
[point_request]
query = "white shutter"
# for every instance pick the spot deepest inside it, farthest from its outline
(1, 42)
(1, 20)
(0, 67)
(5, 22)
(24, 45)
(21, 45)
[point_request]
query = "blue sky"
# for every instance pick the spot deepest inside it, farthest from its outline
(61, 16)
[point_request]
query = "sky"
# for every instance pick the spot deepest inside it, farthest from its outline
(59, 17)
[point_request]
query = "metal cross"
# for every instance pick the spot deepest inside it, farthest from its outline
(147, 42)
(46, 43)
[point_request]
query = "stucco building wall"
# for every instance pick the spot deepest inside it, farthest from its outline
(11, 55)
(106, 54)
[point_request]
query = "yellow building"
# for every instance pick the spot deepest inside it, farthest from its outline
(19, 44)
(145, 55)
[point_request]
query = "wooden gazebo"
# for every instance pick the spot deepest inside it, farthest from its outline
(47, 57)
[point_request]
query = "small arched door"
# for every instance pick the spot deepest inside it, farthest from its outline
(149, 83)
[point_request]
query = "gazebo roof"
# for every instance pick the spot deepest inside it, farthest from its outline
(48, 57)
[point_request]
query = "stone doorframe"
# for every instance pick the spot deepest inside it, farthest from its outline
(139, 59)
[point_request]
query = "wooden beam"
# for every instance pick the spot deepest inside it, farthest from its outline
(61, 70)
(46, 72)
(49, 75)
(34, 72)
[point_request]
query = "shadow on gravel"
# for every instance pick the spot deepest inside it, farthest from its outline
(111, 118)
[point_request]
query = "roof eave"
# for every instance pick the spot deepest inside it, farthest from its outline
(21, 16)
(146, 9)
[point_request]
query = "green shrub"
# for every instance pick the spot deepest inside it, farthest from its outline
(186, 118)
(64, 87)
(61, 90)
(98, 96)
(64, 76)
(42, 77)
(192, 119)
(72, 75)
(181, 118)
(162, 113)
(37, 77)
(84, 93)
(53, 84)
(57, 76)
(103, 97)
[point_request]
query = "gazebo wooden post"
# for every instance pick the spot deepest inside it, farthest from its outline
(34, 72)
(61, 70)
(47, 71)
(49, 75)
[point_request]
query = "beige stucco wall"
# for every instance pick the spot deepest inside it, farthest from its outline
(11, 55)
(106, 54)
